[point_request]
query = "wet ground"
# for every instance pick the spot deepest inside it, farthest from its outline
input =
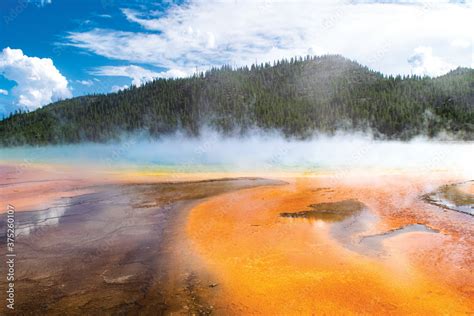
(357, 246)
(329, 212)
(388, 243)
(456, 197)
(117, 250)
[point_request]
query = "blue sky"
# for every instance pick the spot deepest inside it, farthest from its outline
(39, 29)
(52, 49)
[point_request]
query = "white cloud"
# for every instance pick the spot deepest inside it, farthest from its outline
(150, 24)
(85, 82)
(41, 3)
(461, 43)
(208, 33)
(174, 73)
(425, 64)
(118, 88)
(3, 91)
(139, 75)
(39, 82)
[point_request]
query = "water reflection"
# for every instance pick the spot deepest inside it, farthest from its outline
(40, 219)
(329, 212)
(452, 197)
(349, 221)
(375, 242)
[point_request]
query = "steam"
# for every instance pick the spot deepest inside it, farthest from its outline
(261, 152)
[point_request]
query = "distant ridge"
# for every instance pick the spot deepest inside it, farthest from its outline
(298, 97)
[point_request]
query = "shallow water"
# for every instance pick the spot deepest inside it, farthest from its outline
(338, 262)
(452, 197)
(350, 219)
(374, 243)
(357, 244)
(328, 212)
(117, 250)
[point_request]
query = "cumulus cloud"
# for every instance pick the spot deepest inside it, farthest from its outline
(4, 92)
(38, 81)
(424, 63)
(209, 33)
(461, 43)
(139, 75)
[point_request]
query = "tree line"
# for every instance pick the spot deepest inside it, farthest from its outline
(299, 97)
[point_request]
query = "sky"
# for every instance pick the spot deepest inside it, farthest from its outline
(57, 49)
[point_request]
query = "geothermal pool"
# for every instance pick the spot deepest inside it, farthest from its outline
(399, 255)
(261, 225)
(134, 241)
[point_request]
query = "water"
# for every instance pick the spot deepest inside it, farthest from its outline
(452, 198)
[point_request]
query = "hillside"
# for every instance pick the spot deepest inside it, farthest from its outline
(297, 97)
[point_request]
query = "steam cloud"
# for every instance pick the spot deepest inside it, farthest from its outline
(262, 152)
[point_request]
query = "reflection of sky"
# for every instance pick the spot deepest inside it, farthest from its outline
(319, 224)
(41, 220)
(349, 231)
(441, 199)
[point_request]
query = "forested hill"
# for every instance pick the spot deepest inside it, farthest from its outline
(297, 97)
